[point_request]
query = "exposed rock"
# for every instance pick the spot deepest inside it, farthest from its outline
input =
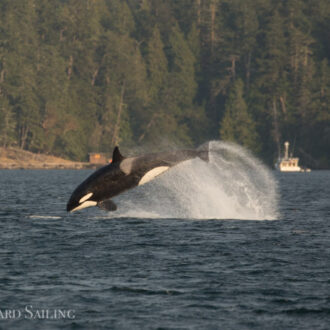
(14, 158)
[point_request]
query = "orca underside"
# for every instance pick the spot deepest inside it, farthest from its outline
(123, 174)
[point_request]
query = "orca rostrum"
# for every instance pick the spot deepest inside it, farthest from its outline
(123, 174)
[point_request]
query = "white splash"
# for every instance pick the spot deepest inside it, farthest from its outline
(44, 217)
(233, 185)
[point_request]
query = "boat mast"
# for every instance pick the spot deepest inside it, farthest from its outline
(286, 148)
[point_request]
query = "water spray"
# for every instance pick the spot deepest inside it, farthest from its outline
(232, 185)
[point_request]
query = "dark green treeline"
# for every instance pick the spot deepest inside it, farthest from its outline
(83, 75)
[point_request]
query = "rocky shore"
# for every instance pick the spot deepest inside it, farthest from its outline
(14, 158)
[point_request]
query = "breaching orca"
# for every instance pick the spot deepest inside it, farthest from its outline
(123, 174)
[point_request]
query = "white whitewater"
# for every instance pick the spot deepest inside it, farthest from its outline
(233, 185)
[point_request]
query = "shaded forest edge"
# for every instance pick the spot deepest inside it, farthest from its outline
(82, 76)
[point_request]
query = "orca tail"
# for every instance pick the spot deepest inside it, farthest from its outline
(204, 155)
(203, 152)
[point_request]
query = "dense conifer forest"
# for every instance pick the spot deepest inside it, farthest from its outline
(83, 75)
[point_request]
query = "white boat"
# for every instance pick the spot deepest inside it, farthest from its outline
(289, 164)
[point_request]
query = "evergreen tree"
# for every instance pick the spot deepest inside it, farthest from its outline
(19, 65)
(123, 77)
(181, 87)
(7, 123)
(237, 124)
(157, 68)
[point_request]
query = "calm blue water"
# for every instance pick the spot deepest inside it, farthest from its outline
(104, 272)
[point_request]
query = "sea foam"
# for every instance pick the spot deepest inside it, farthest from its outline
(233, 185)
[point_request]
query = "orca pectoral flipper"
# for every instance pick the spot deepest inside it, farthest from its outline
(107, 205)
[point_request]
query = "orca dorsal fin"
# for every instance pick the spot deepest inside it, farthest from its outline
(116, 156)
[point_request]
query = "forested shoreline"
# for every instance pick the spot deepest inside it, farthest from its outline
(78, 76)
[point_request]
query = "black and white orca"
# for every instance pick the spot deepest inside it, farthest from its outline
(123, 174)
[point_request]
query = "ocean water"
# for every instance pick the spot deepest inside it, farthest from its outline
(244, 249)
